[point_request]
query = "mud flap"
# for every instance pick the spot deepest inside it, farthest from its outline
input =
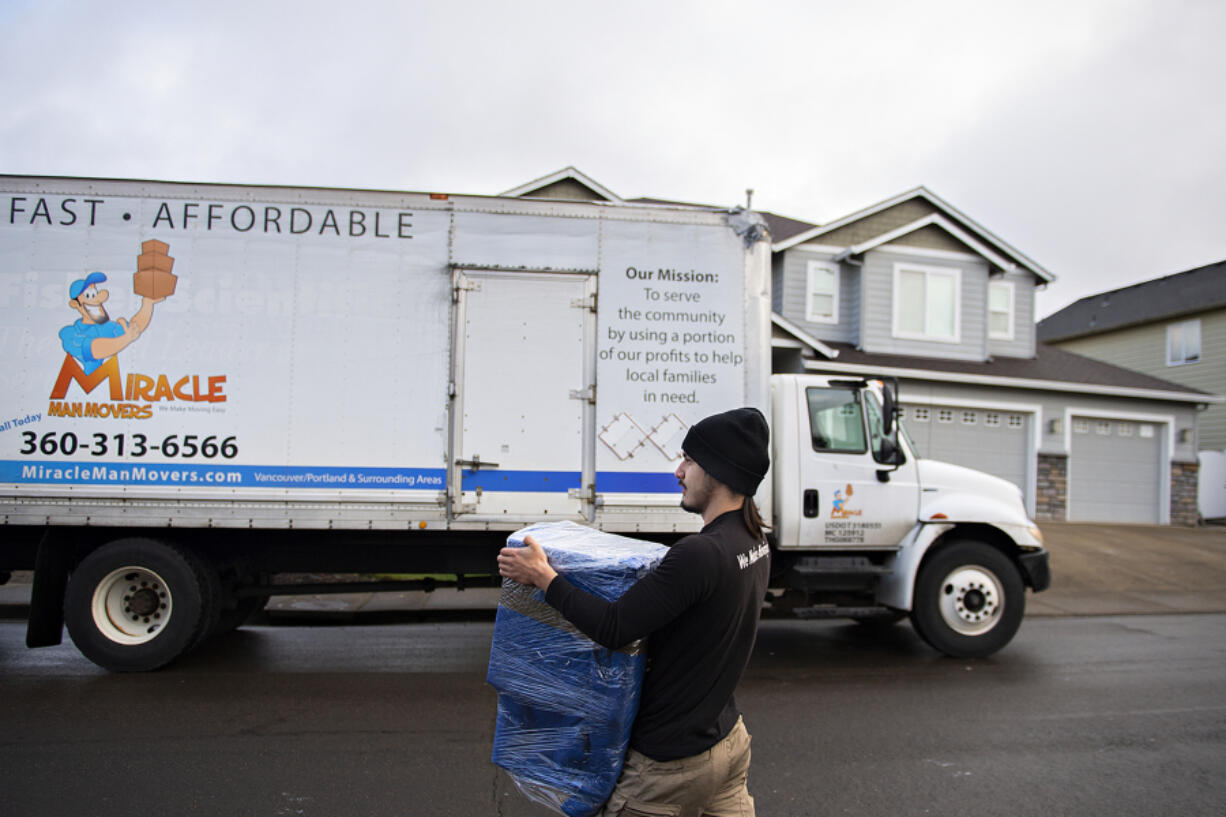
(45, 627)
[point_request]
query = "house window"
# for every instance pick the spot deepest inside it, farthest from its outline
(1000, 310)
(1183, 342)
(991, 419)
(822, 293)
(920, 415)
(968, 418)
(927, 303)
(945, 415)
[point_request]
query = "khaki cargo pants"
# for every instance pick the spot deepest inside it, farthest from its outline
(711, 783)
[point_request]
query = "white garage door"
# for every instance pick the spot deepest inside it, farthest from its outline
(1115, 471)
(995, 442)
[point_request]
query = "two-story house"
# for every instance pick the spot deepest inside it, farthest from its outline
(1172, 327)
(914, 289)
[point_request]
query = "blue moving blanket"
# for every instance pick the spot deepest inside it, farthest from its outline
(566, 704)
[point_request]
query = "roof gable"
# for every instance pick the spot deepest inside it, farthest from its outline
(567, 183)
(923, 226)
(1183, 293)
(902, 216)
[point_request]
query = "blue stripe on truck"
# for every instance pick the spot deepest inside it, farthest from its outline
(174, 474)
(607, 482)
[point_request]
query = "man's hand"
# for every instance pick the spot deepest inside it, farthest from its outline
(131, 330)
(526, 565)
(145, 314)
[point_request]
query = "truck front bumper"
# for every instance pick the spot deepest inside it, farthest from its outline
(1036, 571)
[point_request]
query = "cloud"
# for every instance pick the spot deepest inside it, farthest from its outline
(1086, 134)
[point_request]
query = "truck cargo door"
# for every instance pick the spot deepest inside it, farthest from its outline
(524, 373)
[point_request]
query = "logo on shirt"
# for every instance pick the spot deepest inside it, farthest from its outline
(752, 555)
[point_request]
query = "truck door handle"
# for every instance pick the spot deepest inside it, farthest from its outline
(476, 463)
(810, 504)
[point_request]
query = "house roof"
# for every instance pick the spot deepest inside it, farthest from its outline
(782, 228)
(786, 232)
(792, 335)
(1052, 369)
(952, 220)
(1183, 293)
(569, 174)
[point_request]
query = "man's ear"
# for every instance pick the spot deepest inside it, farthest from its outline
(72, 303)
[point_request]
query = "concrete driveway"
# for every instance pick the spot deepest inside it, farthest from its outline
(1132, 569)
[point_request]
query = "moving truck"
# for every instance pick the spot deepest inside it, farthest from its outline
(206, 386)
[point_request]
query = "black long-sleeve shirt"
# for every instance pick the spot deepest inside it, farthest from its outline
(700, 607)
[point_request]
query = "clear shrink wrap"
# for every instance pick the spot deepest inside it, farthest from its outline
(566, 704)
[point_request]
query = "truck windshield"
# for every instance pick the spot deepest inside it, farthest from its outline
(902, 429)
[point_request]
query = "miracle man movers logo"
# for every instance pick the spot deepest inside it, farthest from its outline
(93, 343)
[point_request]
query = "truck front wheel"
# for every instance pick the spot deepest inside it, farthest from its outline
(969, 600)
(137, 604)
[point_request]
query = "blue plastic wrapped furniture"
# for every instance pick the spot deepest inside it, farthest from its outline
(566, 704)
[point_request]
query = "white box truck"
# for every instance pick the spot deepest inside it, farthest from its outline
(206, 386)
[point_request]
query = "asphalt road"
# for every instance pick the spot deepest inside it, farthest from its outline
(1101, 715)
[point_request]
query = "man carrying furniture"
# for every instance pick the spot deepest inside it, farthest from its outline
(689, 749)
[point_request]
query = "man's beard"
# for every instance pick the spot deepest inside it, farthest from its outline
(97, 313)
(696, 501)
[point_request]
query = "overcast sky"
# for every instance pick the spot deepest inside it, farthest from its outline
(1089, 134)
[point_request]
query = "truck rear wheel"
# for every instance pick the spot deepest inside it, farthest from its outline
(969, 600)
(137, 604)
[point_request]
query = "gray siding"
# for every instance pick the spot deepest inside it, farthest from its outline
(1143, 349)
(793, 274)
(877, 277)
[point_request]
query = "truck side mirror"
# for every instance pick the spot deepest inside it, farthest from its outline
(888, 452)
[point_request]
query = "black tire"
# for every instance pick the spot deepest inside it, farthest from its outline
(135, 605)
(969, 600)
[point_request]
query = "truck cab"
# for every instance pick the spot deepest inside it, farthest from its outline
(864, 528)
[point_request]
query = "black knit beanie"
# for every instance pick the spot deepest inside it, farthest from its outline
(732, 447)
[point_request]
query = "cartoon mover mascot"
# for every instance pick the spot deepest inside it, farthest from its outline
(95, 337)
